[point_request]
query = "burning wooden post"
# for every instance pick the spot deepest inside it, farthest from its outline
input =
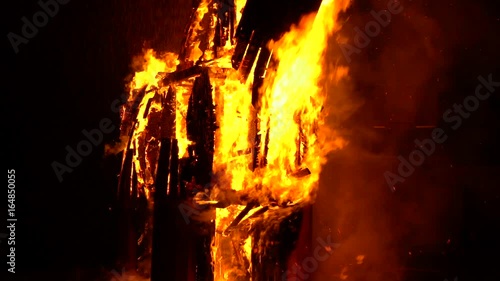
(164, 265)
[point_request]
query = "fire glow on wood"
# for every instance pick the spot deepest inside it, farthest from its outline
(232, 125)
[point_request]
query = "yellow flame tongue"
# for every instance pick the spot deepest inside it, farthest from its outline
(292, 104)
(291, 118)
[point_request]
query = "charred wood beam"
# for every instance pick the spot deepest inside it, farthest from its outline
(127, 243)
(203, 242)
(167, 124)
(240, 217)
(301, 173)
(245, 53)
(165, 239)
(176, 76)
(173, 188)
(131, 111)
(163, 264)
(246, 223)
(201, 126)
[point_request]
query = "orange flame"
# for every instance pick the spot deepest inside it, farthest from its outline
(291, 118)
(292, 106)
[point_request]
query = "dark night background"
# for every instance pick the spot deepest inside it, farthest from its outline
(66, 77)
